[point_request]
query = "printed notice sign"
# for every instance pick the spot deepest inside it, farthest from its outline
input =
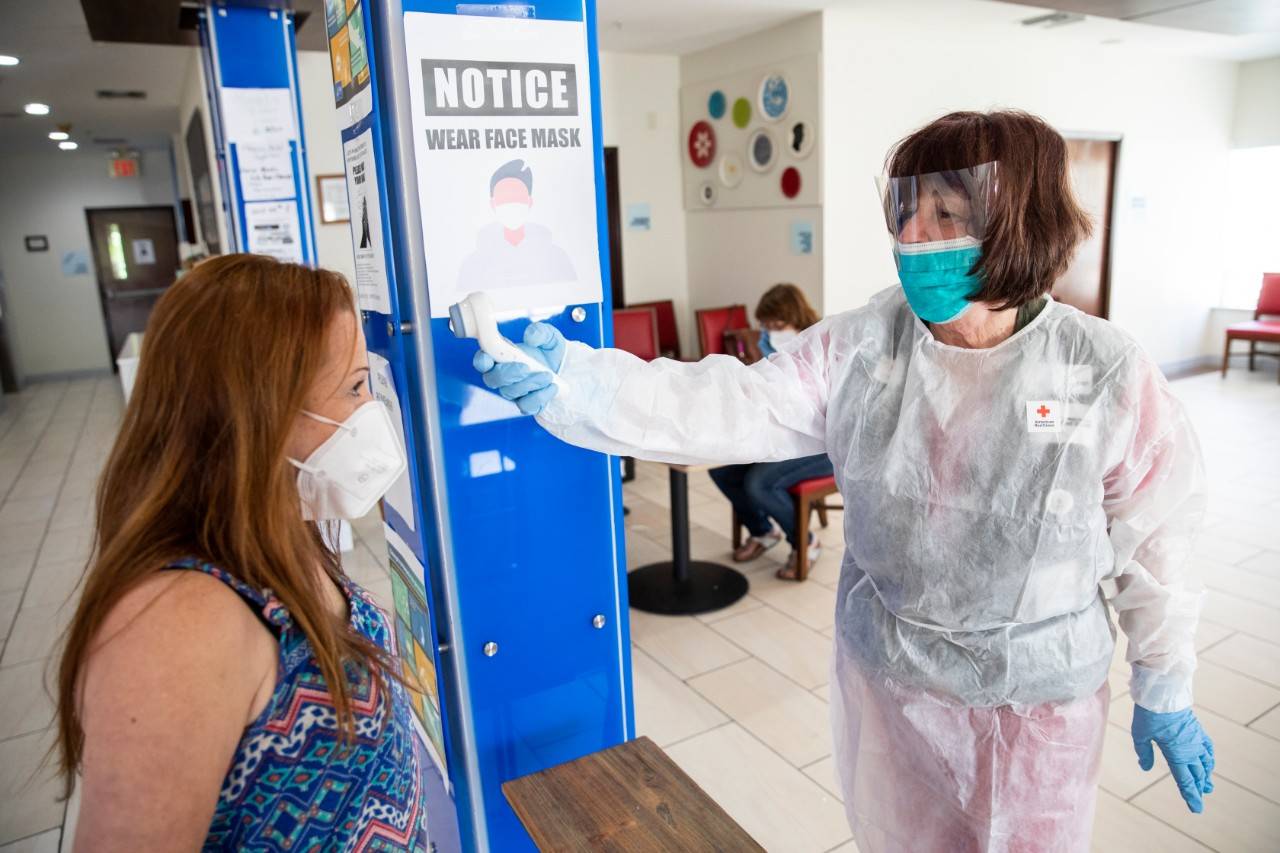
(505, 155)
(266, 171)
(257, 116)
(366, 224)
(273, 230)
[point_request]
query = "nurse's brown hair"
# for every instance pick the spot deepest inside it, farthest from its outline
(198, 468)
(1034, 224)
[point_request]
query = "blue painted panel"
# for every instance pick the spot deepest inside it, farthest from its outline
(253, 48)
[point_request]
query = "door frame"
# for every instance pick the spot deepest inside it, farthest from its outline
(613, 194)
(1118, 139)
(97, 267)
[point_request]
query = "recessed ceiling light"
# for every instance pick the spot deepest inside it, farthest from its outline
(59, 135)
(6, 59)
(36, 109)
(68, 146)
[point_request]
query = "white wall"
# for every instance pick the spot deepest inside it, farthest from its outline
(193, 98)
(640, 117)
(736, 255)
(55, 322)
(1257, 109)
(1175, 116)
(324, 157)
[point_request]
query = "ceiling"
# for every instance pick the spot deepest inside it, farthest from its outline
(63, 66)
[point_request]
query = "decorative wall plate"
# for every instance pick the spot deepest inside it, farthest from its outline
(773, 97)
(707, 194)
(716, 104)
(702, 144)
(741, 112)
(801, 136)
(790, 182)
(762, 151)
(730, 170)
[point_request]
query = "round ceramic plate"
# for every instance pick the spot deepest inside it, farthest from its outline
(707, 194)
(731, 170)
(762, 151)
(773, 97)
(801, 136)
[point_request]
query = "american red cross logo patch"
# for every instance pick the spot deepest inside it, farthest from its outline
(1044, 416)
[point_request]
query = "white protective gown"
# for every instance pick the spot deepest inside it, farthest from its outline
(989, 495)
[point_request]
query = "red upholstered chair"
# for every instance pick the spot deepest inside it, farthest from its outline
(809, 495)
(1258, 330)
(668, 335)
(636, 331)
(714, 322)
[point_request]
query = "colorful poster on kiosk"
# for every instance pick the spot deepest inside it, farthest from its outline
(505, 156)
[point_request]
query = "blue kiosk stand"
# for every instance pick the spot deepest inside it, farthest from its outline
(505, 545)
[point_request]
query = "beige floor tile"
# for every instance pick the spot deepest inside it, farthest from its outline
(15, 568)
(1210, 634)
(783, 809)
(34, 634)
(742, 605)
(1121, 774)
(811, 604)
(21, 537)
(1268, 724)
(1249, 655)
(848, 847)
(1237, 697)
(685, 646)
(1260, 620)
(26, 511)
(786, 717)
(9, 602)
(45, 842)
(28, 792)
(54, 583)
(1242, 582)
(825, 774)
(72, 512)
(641, 551)
(1120, 827)
(801, 653)
(33, 485)
(68, 545)
(1214, 546)
(823, 692)
(1234, 820)
(26, 706)
(667, 709)
(1246, 757)
(1260, 536)
(1264, 562)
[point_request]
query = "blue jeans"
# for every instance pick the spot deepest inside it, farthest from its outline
(759, 491)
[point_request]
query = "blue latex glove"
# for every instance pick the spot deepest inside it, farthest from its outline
(1184, 745)
(531, 390)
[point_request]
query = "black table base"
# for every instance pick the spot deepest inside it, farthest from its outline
(683, 586)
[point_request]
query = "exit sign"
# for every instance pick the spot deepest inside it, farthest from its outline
(124, 167)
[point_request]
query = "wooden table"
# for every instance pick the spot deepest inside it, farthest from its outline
(630, 798)
(681, 586)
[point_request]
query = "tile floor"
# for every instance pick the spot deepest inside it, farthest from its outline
(739, 697)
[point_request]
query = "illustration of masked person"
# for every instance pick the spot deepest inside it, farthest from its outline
(512, 251)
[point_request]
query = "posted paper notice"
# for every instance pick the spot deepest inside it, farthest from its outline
(366, 224)
(273, 229)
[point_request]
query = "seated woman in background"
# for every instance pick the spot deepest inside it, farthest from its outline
(758, 491)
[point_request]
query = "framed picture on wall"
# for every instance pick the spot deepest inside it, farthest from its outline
(332, 192)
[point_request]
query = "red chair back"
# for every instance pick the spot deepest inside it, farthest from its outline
(636, 331)
(714, 322)
(668, 336)
(1269, 298)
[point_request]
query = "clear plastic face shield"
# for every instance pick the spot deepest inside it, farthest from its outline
(937, 222)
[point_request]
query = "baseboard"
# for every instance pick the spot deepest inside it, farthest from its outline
(1184, 367)
(68, 375)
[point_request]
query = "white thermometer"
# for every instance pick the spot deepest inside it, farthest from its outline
(473, 318)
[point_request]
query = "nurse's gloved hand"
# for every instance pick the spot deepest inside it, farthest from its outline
(1185, 746)
(530, 390)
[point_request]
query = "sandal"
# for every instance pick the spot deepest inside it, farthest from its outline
(791, 572)
(756, 545)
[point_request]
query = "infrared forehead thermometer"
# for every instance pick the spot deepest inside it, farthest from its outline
(473, 318)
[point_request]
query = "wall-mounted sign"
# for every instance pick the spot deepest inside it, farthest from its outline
(638, 218)
(144, 251)
(802, 237)
(123, 167)
(36, 243)
(75, 262)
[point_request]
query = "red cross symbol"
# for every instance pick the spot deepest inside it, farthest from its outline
(1043, 411)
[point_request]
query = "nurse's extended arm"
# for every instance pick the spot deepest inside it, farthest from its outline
(714, 410)
(1155, 502)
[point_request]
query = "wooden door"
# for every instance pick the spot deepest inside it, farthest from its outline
(1086, 283)
(135, 254)
(612, 195)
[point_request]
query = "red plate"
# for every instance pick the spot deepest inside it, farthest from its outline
(702, 144)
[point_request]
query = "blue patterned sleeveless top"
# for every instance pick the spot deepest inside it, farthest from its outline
(295, 784)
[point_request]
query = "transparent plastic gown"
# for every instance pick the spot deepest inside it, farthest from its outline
(991, 497)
